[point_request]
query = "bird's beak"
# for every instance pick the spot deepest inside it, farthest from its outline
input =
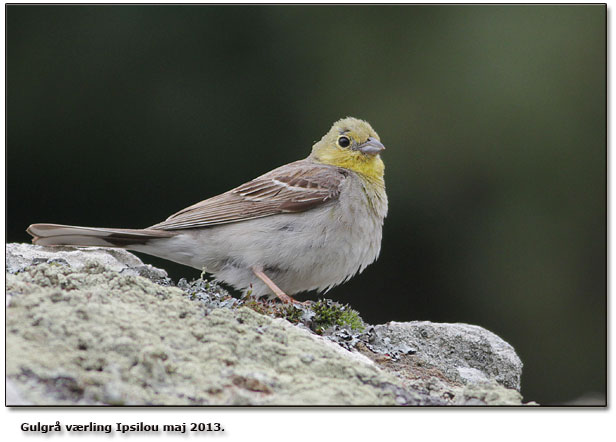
(371, 147)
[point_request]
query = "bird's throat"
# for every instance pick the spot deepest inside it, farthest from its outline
(370, 167)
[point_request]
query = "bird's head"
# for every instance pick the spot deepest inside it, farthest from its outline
(352, 144)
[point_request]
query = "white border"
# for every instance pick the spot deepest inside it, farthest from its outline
(313, 425)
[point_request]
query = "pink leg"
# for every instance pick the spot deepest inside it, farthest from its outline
(277, 291)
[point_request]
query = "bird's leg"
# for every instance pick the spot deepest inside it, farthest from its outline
(274, 288)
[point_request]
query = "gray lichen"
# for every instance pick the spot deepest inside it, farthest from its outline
(97, 337)
(88, 327)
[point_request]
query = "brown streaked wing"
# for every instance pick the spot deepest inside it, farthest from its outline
(295, 187)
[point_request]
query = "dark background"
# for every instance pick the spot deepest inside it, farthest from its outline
(494, 118)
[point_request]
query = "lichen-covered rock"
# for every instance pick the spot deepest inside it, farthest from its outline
(487, 393)
(21, 256)
(84, 331)
(94, 336)
(464, 353)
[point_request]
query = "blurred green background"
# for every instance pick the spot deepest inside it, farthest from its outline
(494, 118)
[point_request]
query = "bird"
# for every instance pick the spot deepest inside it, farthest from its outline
(307, 225)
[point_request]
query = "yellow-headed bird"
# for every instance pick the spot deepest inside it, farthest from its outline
(307, 225)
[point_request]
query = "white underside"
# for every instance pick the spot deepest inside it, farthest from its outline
(315, 250)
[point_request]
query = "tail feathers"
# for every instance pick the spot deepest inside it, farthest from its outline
(60, 235)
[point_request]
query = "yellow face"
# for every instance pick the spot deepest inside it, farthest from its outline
(354, 145)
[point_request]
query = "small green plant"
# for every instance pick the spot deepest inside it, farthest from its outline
(329, 313)
(318, 316)
(293, 314)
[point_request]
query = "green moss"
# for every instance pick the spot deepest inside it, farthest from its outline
(329, 313)
(293, 314)
(265, 307)
(318, 316)
(257, 306)
(276, 310)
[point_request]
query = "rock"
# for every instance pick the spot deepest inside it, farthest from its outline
(488, 393)
(21, 256)
(12, 395)
(464, 353)
(84, 328)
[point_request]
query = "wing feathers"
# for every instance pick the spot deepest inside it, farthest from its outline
(295, 187)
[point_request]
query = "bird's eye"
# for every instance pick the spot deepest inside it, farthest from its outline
(344, 142)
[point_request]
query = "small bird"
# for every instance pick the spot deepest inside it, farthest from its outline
(308, 225)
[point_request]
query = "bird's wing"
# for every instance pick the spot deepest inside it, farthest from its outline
(295, 187)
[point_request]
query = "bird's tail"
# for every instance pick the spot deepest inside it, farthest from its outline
(60, 235)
